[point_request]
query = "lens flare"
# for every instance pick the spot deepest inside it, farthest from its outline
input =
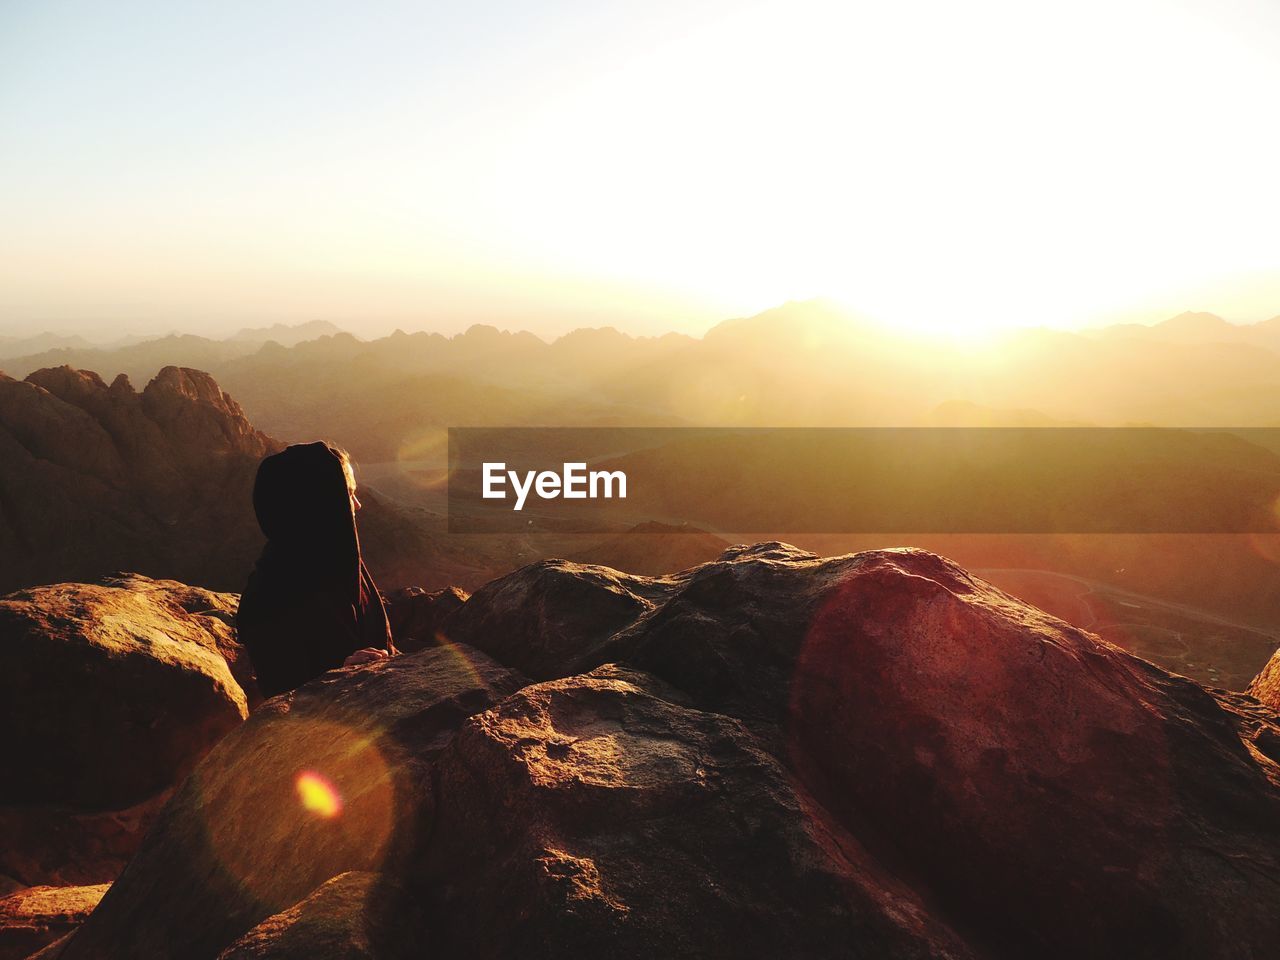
(461, 658)
(323, 796)
(1266, 546)
(318, 795)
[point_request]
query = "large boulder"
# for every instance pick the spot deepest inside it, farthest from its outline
(52, 844)
(1106, 805)
(602, 815)
(213, 612)
(118, 689)
(1266, 685)
(346, 918)
(985, 739)
(545, 618)
(32, 918)
(333, 777)
(654, 548)
(417, 616)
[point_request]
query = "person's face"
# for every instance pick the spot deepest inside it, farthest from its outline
(351, 485)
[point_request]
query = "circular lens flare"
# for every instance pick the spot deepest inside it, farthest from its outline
(1266, 546)
(318, 795)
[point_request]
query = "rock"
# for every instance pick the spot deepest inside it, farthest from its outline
(1257, 724)
(772, 754)
(332, 777)
(345, 919)
(212, 611)
(544, 618)
(121, 687)
(32, 918)
(600, 816)
(189, 404)
(729, 632)
(99, 478)
(417, 615)
(1029, 774)
(654, 548)
(118, 689)
(1266, 685)
(53, 950)
(51, 844)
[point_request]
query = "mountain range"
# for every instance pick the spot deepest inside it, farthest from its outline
(807, 364)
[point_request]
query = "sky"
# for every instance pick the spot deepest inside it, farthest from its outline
(661, 166)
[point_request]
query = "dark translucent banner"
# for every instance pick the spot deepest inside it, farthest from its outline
(866, 480)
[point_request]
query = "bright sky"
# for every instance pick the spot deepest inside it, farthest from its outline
(655, 166)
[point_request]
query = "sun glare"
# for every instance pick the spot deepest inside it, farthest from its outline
(948, 168)
(318, 795)
(945, 168)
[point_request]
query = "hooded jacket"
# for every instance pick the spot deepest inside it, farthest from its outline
(310, 602)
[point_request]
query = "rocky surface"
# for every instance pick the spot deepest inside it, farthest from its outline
(417, 616)
(545, 618)
(138, 668)
(654, 548)
(334, 777)
(345, 919)
(96, 478)
(32, 918)
(1266, 685)
(603, 815)
(772, 754)
(56, 844)
(117, 688)
(53, 950)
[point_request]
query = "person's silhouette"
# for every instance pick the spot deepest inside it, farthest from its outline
(310, 604)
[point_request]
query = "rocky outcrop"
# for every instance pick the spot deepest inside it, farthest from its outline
(56, 844)
(137, 667)
(334, 777)
(417, 616)
(118, 689)
(97, 478)
(347, 918)
(1266, 685)
(876, 755)
(53, 950)
(549, 616)
(654, 548)
(32, 918)
(603, 815)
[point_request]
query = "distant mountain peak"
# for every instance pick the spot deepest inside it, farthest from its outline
(1191, 320)
(592, 339)
(288, 334)
(486, 333)
(41, 343)
(818, 320)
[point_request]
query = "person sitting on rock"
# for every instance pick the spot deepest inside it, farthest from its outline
(310, 604)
